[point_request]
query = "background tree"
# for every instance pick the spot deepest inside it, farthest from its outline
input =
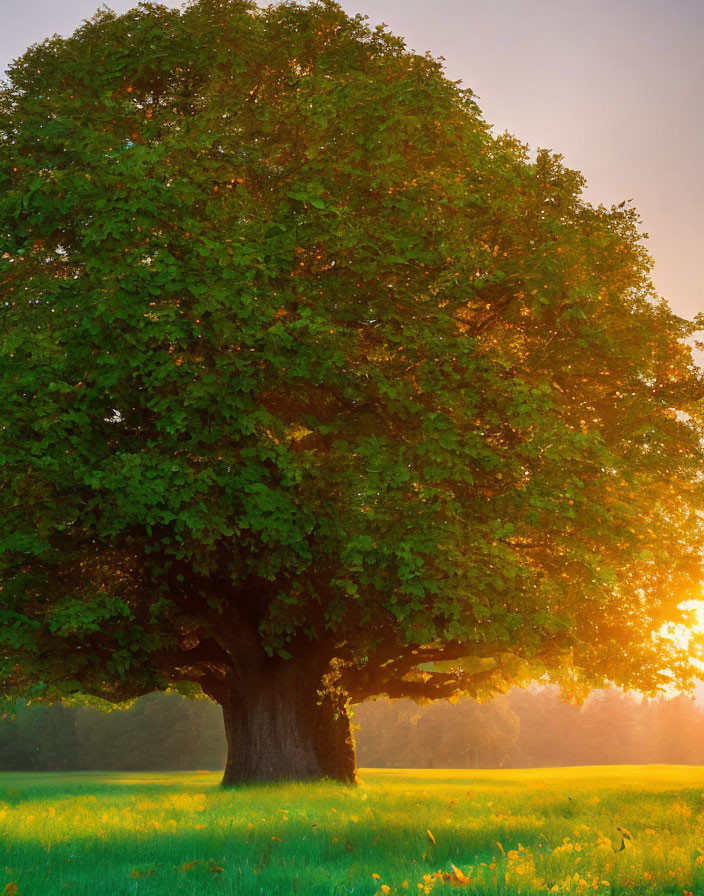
(676, 731)
(313, 389)
(466, 734)
(159, 731)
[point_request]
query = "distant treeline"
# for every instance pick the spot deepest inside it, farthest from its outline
(159, 731)
(531, 727)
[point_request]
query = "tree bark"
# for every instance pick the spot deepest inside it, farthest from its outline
(281, 726)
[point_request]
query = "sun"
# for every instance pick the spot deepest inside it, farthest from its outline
(689, 636)
(696, 608)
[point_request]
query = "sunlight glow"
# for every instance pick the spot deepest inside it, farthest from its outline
(691, 636)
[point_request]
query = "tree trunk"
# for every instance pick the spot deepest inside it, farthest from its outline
(279, 726)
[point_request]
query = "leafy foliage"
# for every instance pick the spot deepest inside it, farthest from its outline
(297, 355)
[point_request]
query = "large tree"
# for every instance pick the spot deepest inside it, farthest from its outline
(312, 388)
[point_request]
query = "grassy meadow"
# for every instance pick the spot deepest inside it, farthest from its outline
(604, 830)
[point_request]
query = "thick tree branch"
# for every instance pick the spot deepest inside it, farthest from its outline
(429, 685)
(206, 653)
(391, 661)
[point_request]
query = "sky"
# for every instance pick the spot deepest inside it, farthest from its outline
(615, 86)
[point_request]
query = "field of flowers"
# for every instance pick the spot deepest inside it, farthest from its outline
(601, 830)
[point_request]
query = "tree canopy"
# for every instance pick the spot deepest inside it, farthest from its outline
(304, 368)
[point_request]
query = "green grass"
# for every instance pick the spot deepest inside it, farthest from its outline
(509, 832)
